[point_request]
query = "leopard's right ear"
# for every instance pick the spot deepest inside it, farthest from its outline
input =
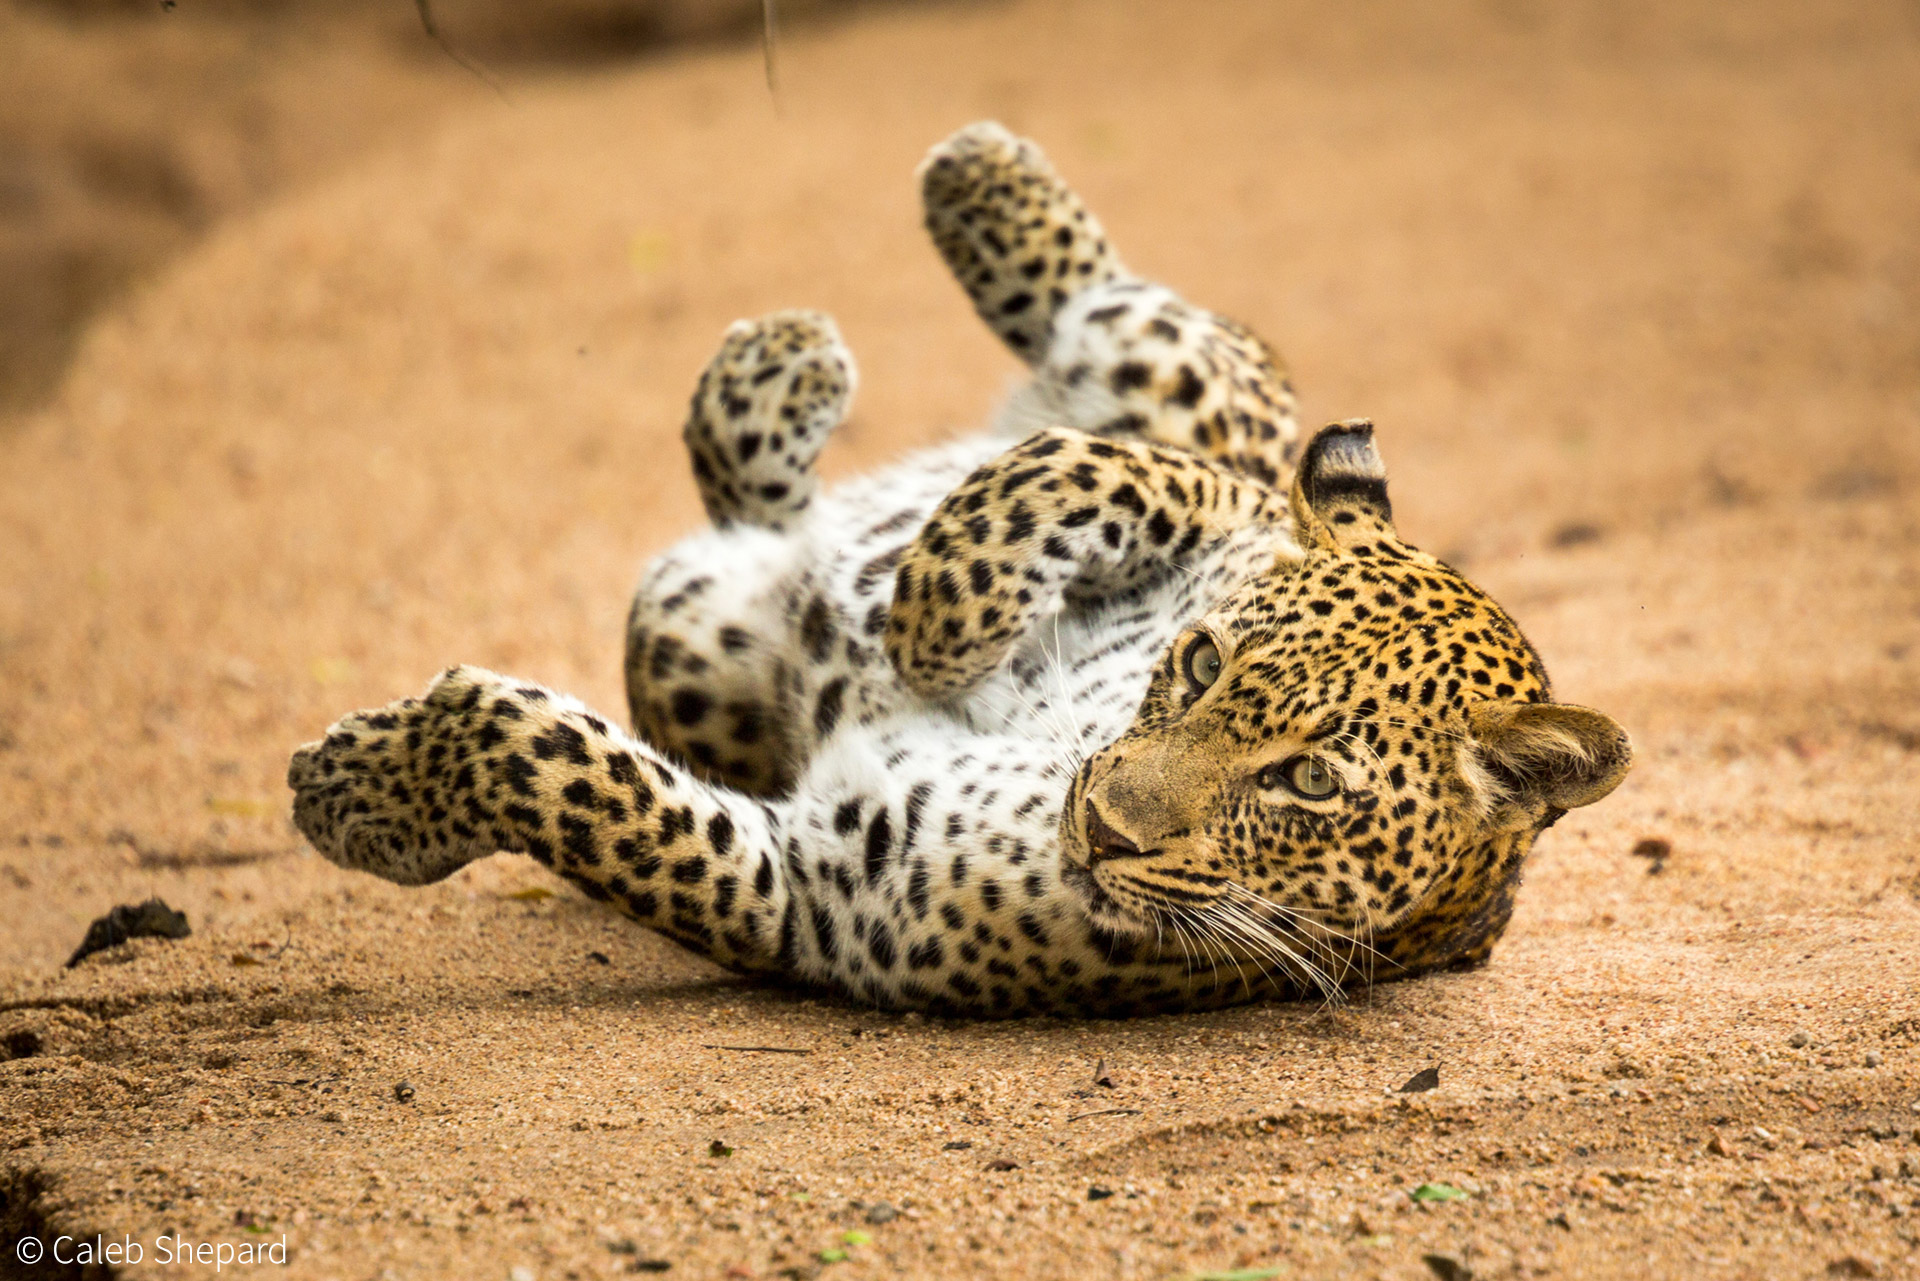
(1533, 761)
(1340, 492)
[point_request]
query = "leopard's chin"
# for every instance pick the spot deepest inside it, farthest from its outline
(1104, 910)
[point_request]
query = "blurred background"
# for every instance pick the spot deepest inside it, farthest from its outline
(127, 127)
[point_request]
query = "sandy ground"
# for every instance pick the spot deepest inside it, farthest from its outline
(1634, 295)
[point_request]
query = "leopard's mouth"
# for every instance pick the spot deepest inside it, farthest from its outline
(1105, 910)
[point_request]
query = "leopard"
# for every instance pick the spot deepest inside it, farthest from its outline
(1132, 702)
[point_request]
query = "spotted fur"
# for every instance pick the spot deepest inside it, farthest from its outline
(1017, 238)
(1112, 353)
(1112, 714)
(764, 407)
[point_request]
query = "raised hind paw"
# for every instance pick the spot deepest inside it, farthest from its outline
(1133, 360)
(1016, 237)
(765, 405)
(390, 790)
(1112, 354)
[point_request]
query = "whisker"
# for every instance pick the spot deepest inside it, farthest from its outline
(1208, 933)
(1438, 731)
(1067, 707)
(1298, 920)
(1314, 943)
(1260, 946)
(1353, 735)
(1046, 725)
(1180, 935)
(1069, 736)
(1330, 988)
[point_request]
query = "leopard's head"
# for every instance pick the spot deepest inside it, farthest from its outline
(1338, 771)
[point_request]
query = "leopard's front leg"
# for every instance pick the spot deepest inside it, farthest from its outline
(416, 790)
(1062, 512)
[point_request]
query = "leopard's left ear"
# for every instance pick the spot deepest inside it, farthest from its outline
(1340, 491)
(1536, 758)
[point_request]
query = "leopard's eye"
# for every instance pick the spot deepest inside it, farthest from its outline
(1306, 776)
(1203, 664)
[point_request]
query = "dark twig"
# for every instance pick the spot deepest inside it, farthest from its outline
(757, 1049)
(769, 39)
(305, 1080)
(447, 47)
(1105, 1112)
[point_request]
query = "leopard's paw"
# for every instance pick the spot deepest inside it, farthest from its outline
(766, 404)
(391, 790)
(1013, 233)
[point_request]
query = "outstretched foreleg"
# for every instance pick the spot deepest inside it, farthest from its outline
(415, 790)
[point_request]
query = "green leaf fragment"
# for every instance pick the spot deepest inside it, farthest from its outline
(1439, 1192)
(855, 1237)
(835, 1255)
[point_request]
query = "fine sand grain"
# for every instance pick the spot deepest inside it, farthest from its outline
(1633, 293)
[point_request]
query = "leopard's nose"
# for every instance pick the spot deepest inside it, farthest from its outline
(1103, 842)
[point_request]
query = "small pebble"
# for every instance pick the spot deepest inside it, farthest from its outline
(403, 1091)
(880, 1212)
(519, 1274)
(1800, 1040)
(1657, 848)
(1447, 1267)
(1873, 1058)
